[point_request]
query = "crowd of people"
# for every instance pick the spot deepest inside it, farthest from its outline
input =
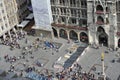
(12, 39)
(10, 59)
(74, 73)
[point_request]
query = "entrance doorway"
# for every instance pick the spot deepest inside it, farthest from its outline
(55, 32)
(103, 39)
(102, 36)
(63, 34)
(83, 37)
(73, 35)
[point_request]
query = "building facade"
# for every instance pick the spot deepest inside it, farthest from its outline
(12, 12)
(103, 22)
(8, 17)
(22, 9)
(92, 21)
(70, 19)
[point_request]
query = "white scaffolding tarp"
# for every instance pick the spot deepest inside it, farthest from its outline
(23, 24)
(42, 14)
(30, 16)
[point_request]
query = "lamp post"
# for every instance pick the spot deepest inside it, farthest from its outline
(103, 66)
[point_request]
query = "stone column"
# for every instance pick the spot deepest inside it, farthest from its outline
(78, 34)
(58, 33)
(4, 36)
(15, 32)
(96, 38)
(68, 36)
(91, 34)
(52, 35)
(10, 36)
(115, 42)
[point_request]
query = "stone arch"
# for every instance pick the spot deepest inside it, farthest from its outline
(73, 35)
(100, 19)
(63, 33)
(83, 37)
(102, 36)
(1, 38)
(119, 43)
(100, 29)
(55, 32)
(99, 8)
(103, 39)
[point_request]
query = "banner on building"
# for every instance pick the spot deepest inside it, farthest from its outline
(42, 14)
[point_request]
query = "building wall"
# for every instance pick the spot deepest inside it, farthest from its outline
(7, 16)
(71, 12)
(70, 16)
(22, 9)
(11, 13)
(105, 17)
(67, 14)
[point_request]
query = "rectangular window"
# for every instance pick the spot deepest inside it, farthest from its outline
(84, 13)
(2, 11)
(0, 20)
(60, 2)
(4, 18)
(84, 22)
(2, 27)
(53, 18)
(63, 19)
(61, 9)
(73, 20)
(83, 4)
(118, 17)
(53, 2)
(6, 25)
(1, 4)
(64, 11)
(53, 10)
(73, 12)
(72, 3)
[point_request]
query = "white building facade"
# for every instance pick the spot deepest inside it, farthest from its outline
(43, 17)
(12, 12)
(90, 21)
(8, 16)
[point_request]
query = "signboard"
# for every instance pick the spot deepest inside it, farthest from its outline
(42, 14)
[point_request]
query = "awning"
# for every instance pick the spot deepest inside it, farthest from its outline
(30, 16)
(23, 24)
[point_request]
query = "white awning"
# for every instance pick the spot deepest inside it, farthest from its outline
(30, 16)
(23, 24)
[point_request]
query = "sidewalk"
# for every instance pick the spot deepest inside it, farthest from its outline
(92, 58)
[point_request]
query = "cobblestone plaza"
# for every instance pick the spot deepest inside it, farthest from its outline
(90, 59)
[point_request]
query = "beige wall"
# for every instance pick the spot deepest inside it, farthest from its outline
(11, 13)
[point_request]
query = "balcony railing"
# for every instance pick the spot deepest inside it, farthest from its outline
(84, 37)
(100, 22)
(70, 27)
(99, 12)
